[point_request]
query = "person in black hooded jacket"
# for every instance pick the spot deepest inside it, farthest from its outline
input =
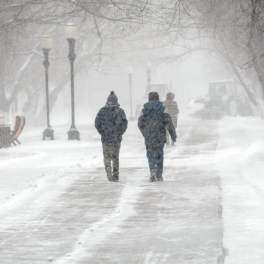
(152, 123)
(111, 124)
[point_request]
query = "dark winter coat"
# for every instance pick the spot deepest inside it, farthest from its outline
(172, 107)
(111, 124)
(153, 123)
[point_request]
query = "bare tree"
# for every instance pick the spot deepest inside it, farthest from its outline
(23, 23)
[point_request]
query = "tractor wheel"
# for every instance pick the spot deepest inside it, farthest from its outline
(232, 108)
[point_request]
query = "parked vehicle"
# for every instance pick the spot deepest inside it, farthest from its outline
(195, 105)
(225, 98)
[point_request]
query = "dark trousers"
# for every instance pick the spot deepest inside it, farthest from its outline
(155, 158)
(111, 153)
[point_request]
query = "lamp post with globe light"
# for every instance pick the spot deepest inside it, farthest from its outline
(148, 68)
(46, 44)
(71, 33)
(130, 72)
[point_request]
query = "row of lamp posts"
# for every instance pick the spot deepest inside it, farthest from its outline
(46, 44)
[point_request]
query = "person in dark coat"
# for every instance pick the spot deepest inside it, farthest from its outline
(152, 123)
(111, 124)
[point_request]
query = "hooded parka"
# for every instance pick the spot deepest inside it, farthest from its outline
(153, 123)
(172, 107)
(111, 122)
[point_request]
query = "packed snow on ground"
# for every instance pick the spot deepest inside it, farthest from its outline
(30, 167)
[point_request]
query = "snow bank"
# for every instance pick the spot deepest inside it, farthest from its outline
(34, 165)
(239, 158)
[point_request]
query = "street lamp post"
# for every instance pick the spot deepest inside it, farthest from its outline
(46, 44)
(71, 33)
(130, 72)
(148, 68)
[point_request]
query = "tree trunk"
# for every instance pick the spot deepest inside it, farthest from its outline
(251, 94)
(259, 104)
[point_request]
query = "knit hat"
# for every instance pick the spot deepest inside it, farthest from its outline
(153, 96)
(112, 100)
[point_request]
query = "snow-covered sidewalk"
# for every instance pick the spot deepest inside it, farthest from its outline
(56, 204)
(72, 214)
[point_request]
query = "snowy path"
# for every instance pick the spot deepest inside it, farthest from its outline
(77, 216)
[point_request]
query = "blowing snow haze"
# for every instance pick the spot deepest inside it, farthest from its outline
(60, 60)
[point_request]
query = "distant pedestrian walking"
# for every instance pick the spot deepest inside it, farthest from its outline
(173, 111)
(111, 124)
(172, 107)
(153, 122)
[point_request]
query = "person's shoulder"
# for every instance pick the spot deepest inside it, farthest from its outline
(102, 109)
(120, 109)
(166, 115)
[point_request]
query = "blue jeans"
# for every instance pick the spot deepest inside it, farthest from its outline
(155, 158)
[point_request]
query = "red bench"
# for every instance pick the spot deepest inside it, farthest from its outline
(19, 125)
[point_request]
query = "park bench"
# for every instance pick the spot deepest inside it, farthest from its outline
(19, 125)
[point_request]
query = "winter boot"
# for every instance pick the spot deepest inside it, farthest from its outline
(115, 178)
(109, 173)
(159, 176)
(153, 176)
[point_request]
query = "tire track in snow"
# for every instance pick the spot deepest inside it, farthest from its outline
(32, 156)
(100, 230)
(156, 258)
(38, 188)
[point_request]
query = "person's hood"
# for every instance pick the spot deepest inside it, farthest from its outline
(170, 96)
(112, 107)
(153, 108)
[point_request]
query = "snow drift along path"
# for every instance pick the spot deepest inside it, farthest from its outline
(240, 162)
